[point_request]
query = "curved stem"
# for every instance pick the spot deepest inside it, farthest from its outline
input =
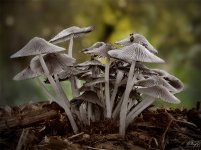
(124, 107)
(61, 103)
(107, 89)
(120, 75)
(61, 90)
(117, 108)
(148, 100)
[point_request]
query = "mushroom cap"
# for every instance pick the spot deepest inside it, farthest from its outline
(172, 80)
(71, 32)
(99, 49)
(27, 73)
(137, 38)
(90, 63)
(91, 97)
(135, 52)
(153, 81)
(56, 63)
(37, 46)
(69, 71)
(161, 92)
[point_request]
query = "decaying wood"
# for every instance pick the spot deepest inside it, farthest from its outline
(47, 127)
(29, 119)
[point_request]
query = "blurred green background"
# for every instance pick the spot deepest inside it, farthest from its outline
(172, 26)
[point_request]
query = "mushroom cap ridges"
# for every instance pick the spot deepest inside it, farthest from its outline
(56, 63)
(135, 52)
(71, 32)
(37, 46)
(159, 92)
(25, 74)
(137, 38)
(99, 49)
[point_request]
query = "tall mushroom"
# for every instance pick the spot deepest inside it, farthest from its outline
(39, 46)
(56, 63)
(131, 54)
(137, 38)
(100, 49)
(69, 34)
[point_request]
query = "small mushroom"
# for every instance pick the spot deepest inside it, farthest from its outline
(69, 34)
(131, 54)
(172, 80)
(56, 63)
(137, 38)
(100, 49)
(153, 92)
(27, 73)
(155, 80)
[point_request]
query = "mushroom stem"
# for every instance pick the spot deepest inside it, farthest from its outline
(61, 103)
(70, 49)
(117, 108)
(120, 75)
(50, 96)
(107, 89)
(73, 80)
(61, 90)
(124, 106)
(75, 92)
(46, 71)
(147, 101)
(132, 103)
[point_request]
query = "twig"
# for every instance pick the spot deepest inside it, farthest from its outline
(76, 135)
(89, 147)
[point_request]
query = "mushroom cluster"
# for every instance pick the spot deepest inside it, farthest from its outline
(119, 90)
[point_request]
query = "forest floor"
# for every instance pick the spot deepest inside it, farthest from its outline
(45, 126)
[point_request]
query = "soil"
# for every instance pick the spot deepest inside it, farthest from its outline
(44, 126)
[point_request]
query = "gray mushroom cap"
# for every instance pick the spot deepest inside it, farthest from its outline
(55, 62)
(25, 74)
(161, 92)
(99, 49)
(137, 38)
(70, 71)
(172, 80)
(37, 46)
(135, 52)
(90, 63)
(71, 32)
(155, 80)
(91, 97)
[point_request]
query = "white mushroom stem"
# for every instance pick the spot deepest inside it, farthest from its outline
(124, 106)
(73, 80)
(120, 76)
(117, 108)
(46, 71)
(75, 92)
(132, 103)
(70, 49)
(83, 113)
(147, 101)
(50, 96)
(61, 103)
(107, 89)
(61, 90)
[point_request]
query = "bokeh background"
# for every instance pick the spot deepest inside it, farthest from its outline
(172, 26)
